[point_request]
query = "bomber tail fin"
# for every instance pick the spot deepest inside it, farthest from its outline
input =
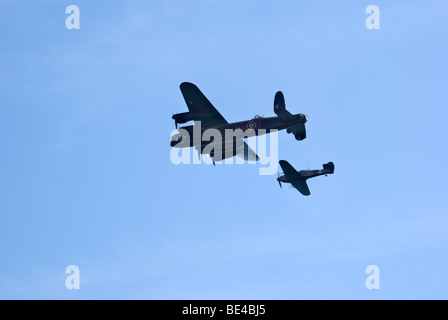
(279, 103)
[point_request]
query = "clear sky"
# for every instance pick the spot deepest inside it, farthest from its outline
(85, 171)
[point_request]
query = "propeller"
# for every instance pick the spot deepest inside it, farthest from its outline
(280, 184)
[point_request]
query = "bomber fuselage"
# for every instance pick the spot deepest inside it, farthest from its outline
(257, 126)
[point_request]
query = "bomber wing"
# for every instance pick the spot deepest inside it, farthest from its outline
(246, 153)
(200, 106)
(241, 149)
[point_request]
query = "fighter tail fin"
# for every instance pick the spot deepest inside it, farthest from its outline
(329, 166)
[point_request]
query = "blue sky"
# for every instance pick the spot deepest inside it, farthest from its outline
(85, 170)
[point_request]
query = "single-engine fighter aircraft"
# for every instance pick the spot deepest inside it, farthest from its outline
(200, 109)
(298, 179)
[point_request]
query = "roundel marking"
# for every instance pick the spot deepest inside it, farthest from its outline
(251, 125)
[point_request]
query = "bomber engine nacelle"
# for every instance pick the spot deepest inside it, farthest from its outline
(220, 153)
(182, 117)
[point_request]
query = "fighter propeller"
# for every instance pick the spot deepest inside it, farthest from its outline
(279, 183)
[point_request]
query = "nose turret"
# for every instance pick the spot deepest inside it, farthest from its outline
(175, 140)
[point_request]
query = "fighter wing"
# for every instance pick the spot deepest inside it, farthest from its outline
(200, 106)
(288, 170)
(302, 187)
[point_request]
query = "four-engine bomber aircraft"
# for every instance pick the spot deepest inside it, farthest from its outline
(298, 179)
(200, 109)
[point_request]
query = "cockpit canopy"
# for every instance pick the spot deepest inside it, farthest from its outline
(258, 116)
